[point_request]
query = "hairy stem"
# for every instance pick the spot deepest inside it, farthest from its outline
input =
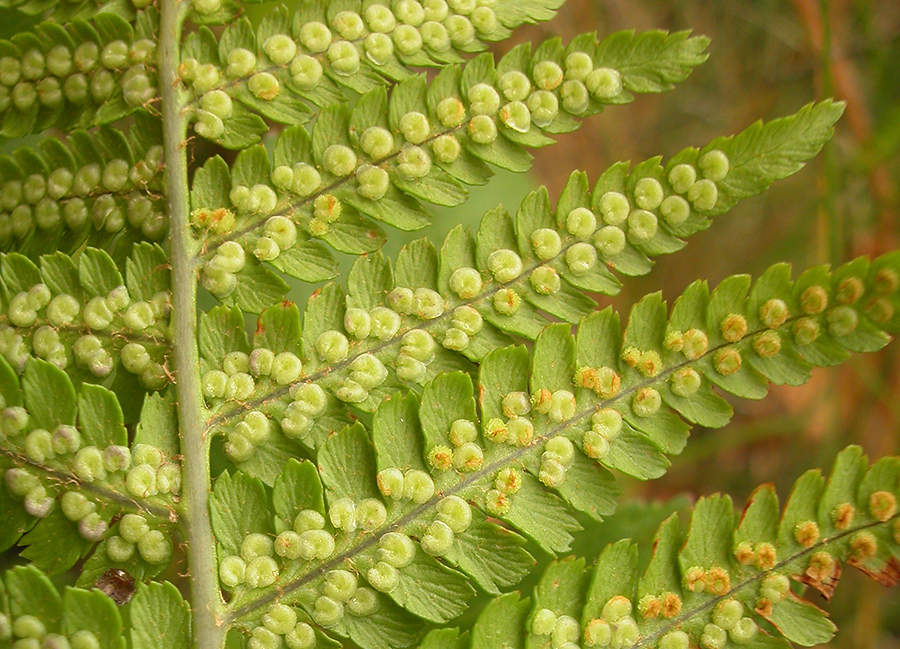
(207, 629)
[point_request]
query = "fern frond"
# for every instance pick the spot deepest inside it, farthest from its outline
(87, 320)
(549, 425)
(87, 73)
(325, 52)
(462, 300)
(727, 582)
(101, 188)
(71, 474)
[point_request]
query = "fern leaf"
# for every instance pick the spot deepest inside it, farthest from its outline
(86, 73)
(715, 585)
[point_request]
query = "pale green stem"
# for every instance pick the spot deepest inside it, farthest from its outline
(208, 630)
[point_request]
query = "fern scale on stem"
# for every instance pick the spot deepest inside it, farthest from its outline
(207, 631)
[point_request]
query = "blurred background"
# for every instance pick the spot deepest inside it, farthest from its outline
(767, 59)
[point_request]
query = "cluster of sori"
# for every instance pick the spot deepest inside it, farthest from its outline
(50, 320)
(413, 485)
(280, 627)
(466, 455)
(143, 471)
(377, 33)
(29, 632)
(106, 195)
(135, 532)
(76, 67)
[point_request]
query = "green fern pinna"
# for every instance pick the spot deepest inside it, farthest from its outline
(403, 440)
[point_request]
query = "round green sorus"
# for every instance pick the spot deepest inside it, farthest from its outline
(685, 382)
(86, 56)
(842, 321)
(302, 636)
(310, 399)
(263, 85)
(468, 320)
(20, 313)
(88, 464)
(230, 257)
(703, 194)
(515, 115)
(744, 631)
(385, 323)
(414, 127)
(552, 473)
(357, 322)
(566, 630)
(368, 371)
(617, 608)
(578, 66)
(10, 71)
(139, 316)
(332, 346)
(495, 430)
(55, 641)
(218, 103)
(396, 549)
(413, 162)
(714, 165)
(676, 639)
(409, 12)
(767, 344)
(103, 85)
(562, 448)
(614, 207)
(379, 48)
(11, 195)
(256, 427)
(695, 343)
(546, 243)
(92, 527)
(13, 420)
(482, 129)
(728, 613)
(648, 193)
(713, 637)
(775, 587)
(22, 222)
(455, 513)
(461, 30)
(451, 112)
(682, 177)
(520, 431)
(642, 226)
(581, 223)
(544, 107)
(436, 10)
(147, 454)
(214, 383)
(344, 58)
(260, 361)
(483, 99)
(377, 142)
(417, 486)
(418, 344)
(604, 83)
(306, 71)
(287, 545)
(141, 481)
(675, 210)
(238, 448)
(34, 188)
(507, 301)
(496, 502)
(383, 577)
(547, 75)
(484, 20)
(20, 481)
(62, 310)
(339, 160)
(349, 25)
(562, 406)
(116, 458)
(206, 78)
(646, 402)
(340, 585)
(118, 549)
(280, 48)
(733, 327)
(390, 483)
(316, 544)
(373, 182)
(446, 149)
(261, 572)
(380, 18)
(279, 619)
(575, 97)
(849, 290)
(66, 439)
(508, 480)
(84, 639)
(28, 626)
(727, 361)
(595, 446)
(114, 55)
(133, 527)
(462, 431)
(206, 7)
(315, 36)
(505, 265)
(363, 602)
(543, 622)
(429, 304)
(814, 300)
(342, 515)
(581, 258)
(370, 514)
(262, 638)
(597, 633)
(286, 368)
(468, 457)
(308, 519)
(435, 36)
(438, 539)
(33, 65)
(515, 404)
(306, 179)
(135, 358)
(515, 86)
(45, 341)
